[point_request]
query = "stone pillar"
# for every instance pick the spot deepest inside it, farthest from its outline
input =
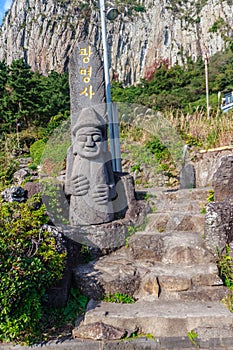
(89, 175)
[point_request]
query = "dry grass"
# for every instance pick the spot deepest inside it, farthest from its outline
(200, 131)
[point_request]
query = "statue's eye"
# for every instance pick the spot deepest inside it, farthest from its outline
(82, 138)
(97, 138)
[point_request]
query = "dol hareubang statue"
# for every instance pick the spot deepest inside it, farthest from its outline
(89, 179)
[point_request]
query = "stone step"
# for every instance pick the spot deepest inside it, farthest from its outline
(171, 282)
(175, 221)
(147, 279)
(188, 207)
(200, 194)
(181, 248)
(170, 201)
(161, 318)
(215, 341)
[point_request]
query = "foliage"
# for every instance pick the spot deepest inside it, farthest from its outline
(146, 155)
(210, 198)
(86, 254)
(55, 201)
(166, 87)
(36, 151)
(157, 148)
(29, 265)
(203, 210)
(217, 25)
(137, 334)
(7, 168)
(29, 98)
(131, 230)
(192, 335)
(118, 298)
(225, 266)
(57, 322)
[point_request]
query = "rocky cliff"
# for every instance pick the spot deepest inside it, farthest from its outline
(44, 32)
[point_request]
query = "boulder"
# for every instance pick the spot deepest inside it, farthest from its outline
(109, 274)
(188, 177)
(20, 175)
(14, 194)
(98, 331)
(223, 179)
(219, 214)
(32, 188)
(219, 225)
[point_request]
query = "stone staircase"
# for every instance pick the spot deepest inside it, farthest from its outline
(169, 272)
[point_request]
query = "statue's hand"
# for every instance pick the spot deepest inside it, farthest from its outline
(80, 185)
(101, 194)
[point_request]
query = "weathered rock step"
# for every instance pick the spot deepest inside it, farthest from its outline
(119, 272)
(192, 207)
(162, 318)
(200, 194)
(175, 221)
(176, 201)
(170, 247)
(173, 277)
(173, 282)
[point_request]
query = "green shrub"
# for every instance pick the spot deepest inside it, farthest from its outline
(36, 151)
(7, 168)
(29, 265)
(159, 150)
(56, 121)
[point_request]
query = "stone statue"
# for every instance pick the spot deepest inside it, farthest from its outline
(89, 179)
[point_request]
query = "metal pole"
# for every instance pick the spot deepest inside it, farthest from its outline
(116, 137)
(107, 82)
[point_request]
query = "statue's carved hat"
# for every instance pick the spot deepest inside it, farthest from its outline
(88, 117)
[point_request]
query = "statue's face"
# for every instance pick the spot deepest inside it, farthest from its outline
(89, 142)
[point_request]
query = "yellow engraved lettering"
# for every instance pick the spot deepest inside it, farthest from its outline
(87, 72)
(86, 53)
(87, 91)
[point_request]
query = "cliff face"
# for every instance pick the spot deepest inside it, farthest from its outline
(44, 32)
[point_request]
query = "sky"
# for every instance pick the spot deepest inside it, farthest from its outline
(4, 6)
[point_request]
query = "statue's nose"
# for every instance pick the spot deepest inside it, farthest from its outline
(90, 142)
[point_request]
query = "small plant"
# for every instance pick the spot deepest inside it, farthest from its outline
(228, 301)
(225, 266)
(156, 147)
(136, 168)
(160, 229)
(137, 334)
(210, 198)
(203, 210)
(32, 166)
(192, 335)
(132, 230)
(154, 209)
(118, 298)
(86, 254)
